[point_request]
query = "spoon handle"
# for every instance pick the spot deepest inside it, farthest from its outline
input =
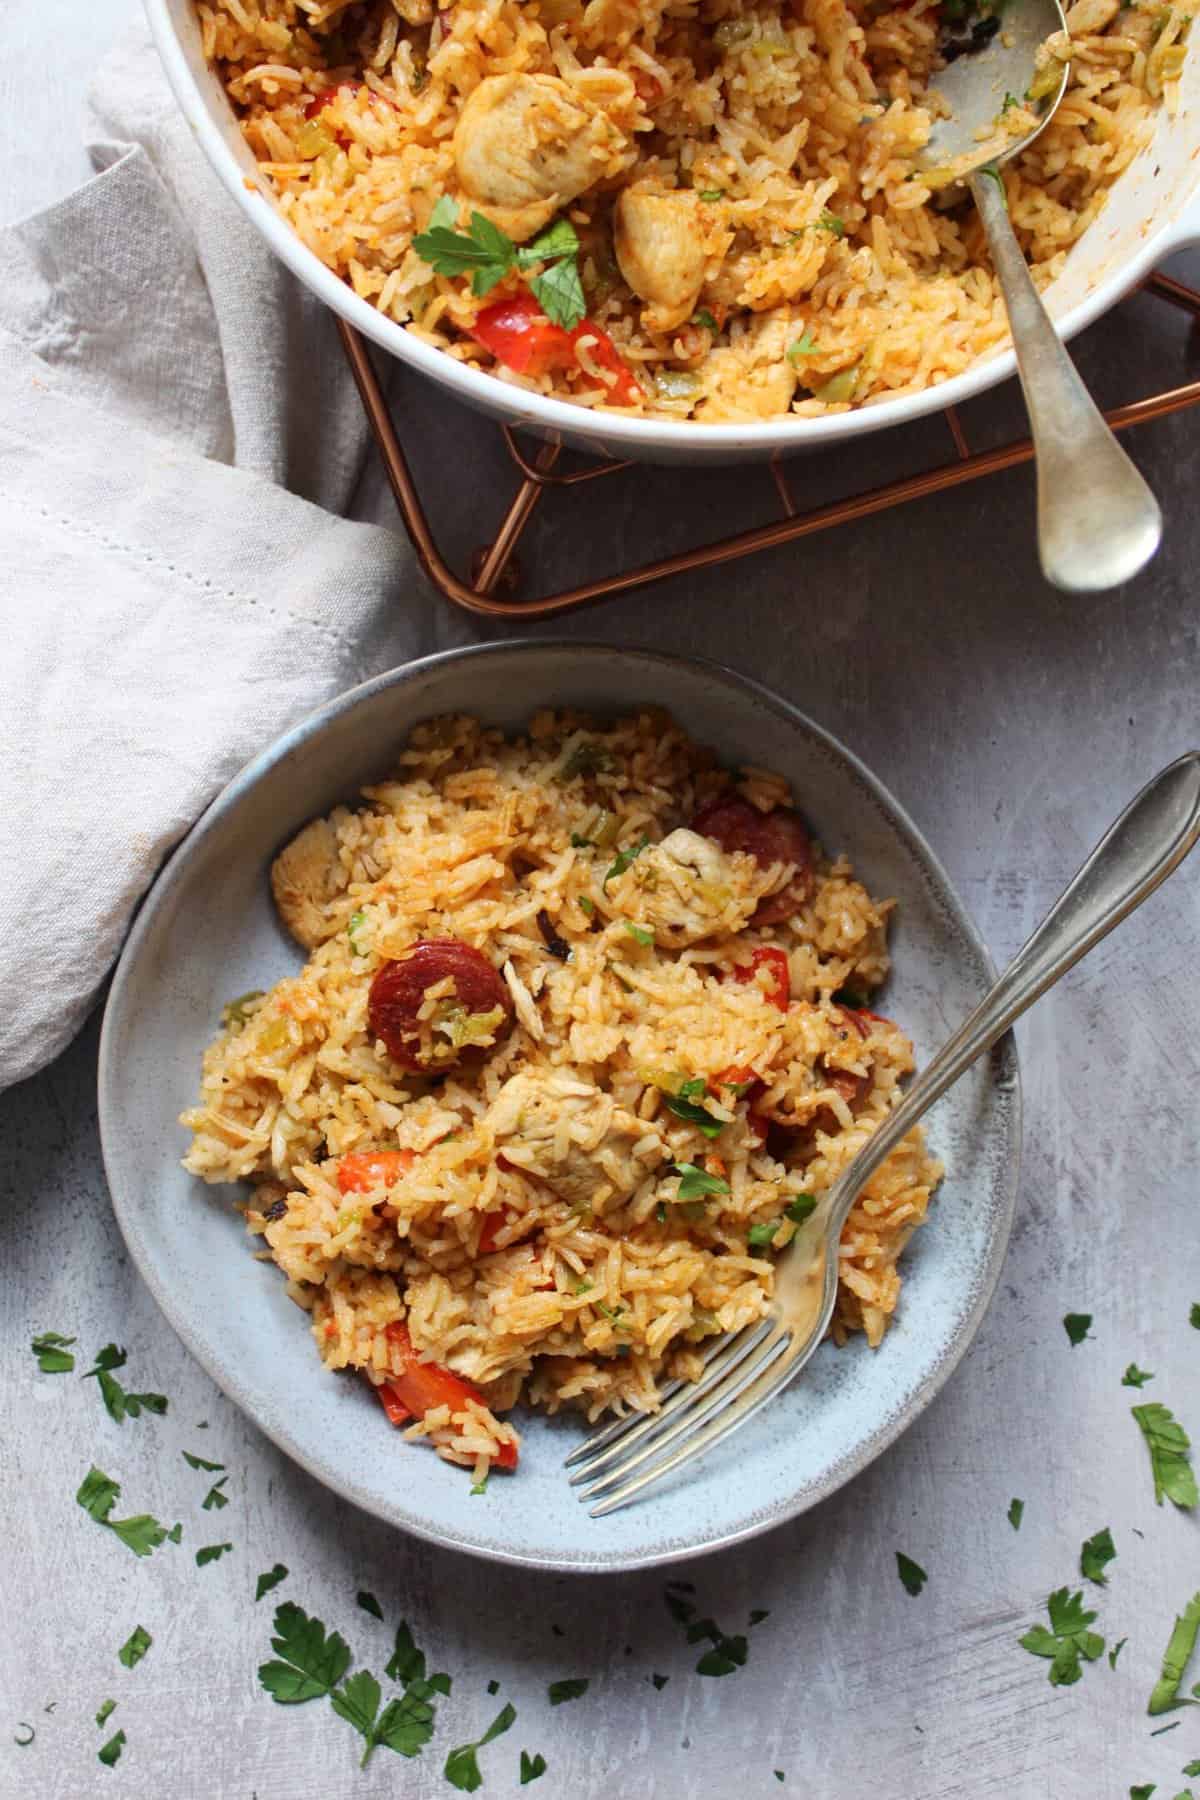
(1150, 839)
(1098, 522)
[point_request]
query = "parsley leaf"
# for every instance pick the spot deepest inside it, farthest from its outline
(660, 1681)
(694, 1182)
(110, 1753)
(214, 1500)
(1067, 1640)
(531, 1767)
(53, 1355)
(1016, 1511)
(405, 1724)
(912, 1575)
(1180, 1645)
(135, 1646)
(1194, 1315)
(198, 1462)
(762, 1233)
(1192, 1768)
(562, 1691)
(1096, 1553)
(98, 1494)
(106, 1711)
(704, 318)
(407, 1666)
(685, 1105)
(559, 239)
(462, 1765)
(369, 1604)
(311, 1663)
(1170, 1452)
(119, 1404)
(624, 858)
(641, 936)
(800, 1207)
(211, 1553)
(1116, 1651)
(1135, 1377)
(829, 221)
(1144, 1792)
(271, 1579)
(1077, 1326)
(354, 924)
(483, 251)
(727, 1655)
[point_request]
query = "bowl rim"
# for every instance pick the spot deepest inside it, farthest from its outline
(1005, 1082)
(520, 407)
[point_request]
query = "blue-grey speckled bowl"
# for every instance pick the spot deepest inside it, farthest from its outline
(208, 930)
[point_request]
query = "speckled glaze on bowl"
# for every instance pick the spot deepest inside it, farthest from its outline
(208, 930)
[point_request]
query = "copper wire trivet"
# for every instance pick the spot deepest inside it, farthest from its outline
(496, 560)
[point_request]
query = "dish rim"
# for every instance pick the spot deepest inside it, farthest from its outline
(1005, 1081)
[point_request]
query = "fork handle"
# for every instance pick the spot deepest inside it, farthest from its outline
(1149, 840)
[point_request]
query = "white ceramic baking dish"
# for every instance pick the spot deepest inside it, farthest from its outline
(1153, 210)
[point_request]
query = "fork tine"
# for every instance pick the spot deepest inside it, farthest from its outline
(764, 1352)
(597, 1440)
(745, 1404)
(731, 1352)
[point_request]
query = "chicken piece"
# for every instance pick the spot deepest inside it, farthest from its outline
(524, 146)
(573, 1137)
(305, 876)
(1088, 17)
(660, 250)
(687, 888)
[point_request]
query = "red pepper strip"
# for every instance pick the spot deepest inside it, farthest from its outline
(423, 1386)
(753, 1085)
(322, 98)
(774, 960)
(363, 1170)
(519, 334)
(399, 1415)
(493, 1225)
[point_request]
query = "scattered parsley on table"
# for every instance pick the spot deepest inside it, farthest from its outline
(109, 1753)
(1077, 1326)
(99, 1493)
(211, 1553)
(1135, 1377)
(1016, 1512)
(572, 1689)
(1170, 1454)
(119, 1404)
(1068, 1643)
(106, 1711)
(1095, 1554)
(531, 1767)
(53, 1353)
(135, 1646)
(369, 1604)
(271, 1579)
(912, 1575)
(462, 1765)
(1180, 1645)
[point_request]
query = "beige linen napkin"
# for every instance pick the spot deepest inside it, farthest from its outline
(167, 605)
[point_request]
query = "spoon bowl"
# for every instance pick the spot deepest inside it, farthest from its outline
(985, 82)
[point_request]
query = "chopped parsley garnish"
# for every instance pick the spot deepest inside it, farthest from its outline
(660, 1681)
(1170, 1454)
(1194, 1315)
(1116, 1651)
(462, 1765)
(214, 1500)
(369, 1604)
(686, 1106)
(624, 858)
(1077, 1326)
(493, 1686)
(353, 925)
(762, 1233)
(106, 1711)
(912, 1575)
(110, 1752)
(1095, 1555)
(694, 1182)
(1192, 1768)
(488, 254)
(236, 1012)
(587, 758)
(758, 1614)
(52, 1352)
(829, 221)
(1135, 1377)
(572, 1689)
(704, 317)
(1068, 1639)
(1180, 1645)
(711, 194)
(1016, 1512)
(587, 905)
(311, 1663)
(727, 1655)
(848, 997)
(639, 933)
(531, 1767)
(98, 1494)
(1010, 100)
(210, 1553)
(612, 1314)
(805, 345)
(800, 1207)
(407, 1666)
(119, 1404)
(271, 1579)
(198, 1462)
(480, 1486)
(134, 1647)
(405, 1725)
(1144, 1792)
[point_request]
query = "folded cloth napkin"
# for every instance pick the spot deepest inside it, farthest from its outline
(169, 606)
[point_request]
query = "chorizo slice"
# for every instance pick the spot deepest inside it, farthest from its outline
(779, 836)
(462, 1024)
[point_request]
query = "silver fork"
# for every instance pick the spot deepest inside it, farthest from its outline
(741, 1373)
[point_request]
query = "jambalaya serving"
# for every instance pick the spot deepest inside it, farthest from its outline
(583, 1032)
(706, 209)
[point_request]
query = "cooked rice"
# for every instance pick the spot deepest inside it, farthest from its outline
(796, 125)
(595, 1300)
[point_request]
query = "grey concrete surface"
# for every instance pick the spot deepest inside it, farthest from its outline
(1013, 722)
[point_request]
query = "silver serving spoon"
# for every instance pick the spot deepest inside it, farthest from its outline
(620, 1461)
(1098, 522)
